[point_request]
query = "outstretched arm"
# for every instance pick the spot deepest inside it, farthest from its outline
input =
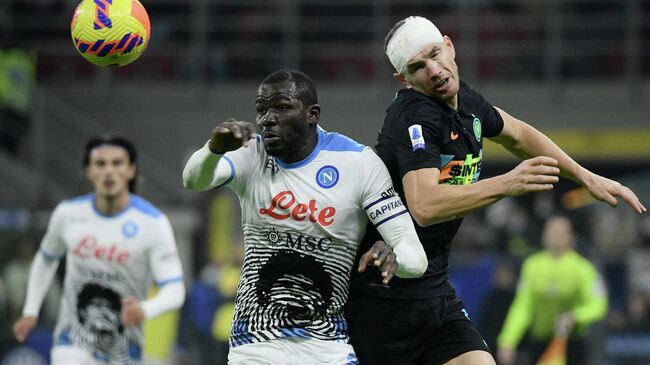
(430, 202)
(203, 170)
(525, 141)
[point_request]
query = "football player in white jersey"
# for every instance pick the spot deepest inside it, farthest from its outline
(306, 197)
(115, 243)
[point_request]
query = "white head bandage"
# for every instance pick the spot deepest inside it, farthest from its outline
(412, 37)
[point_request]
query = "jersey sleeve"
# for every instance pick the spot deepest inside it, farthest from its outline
(519, 315)
(241, 163)
(491, 121)
(163, 255)
(388, 214)
(205, 170)
(53, 245)
(414, 137)
(593, 297)
(379, 199)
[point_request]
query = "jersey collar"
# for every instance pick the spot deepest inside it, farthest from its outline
(308, 159)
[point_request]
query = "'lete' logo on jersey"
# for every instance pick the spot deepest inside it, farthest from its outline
(284, 206)
(89, 248)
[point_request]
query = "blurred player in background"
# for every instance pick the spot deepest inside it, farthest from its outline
(431, 142)
(114, 243)
(306, 197)
(559, 294)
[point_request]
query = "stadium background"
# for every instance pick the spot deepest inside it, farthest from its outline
(576, 69)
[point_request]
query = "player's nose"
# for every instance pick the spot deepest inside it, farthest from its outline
(433, 68)
(268, 119)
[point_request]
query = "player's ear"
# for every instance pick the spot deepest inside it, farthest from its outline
(133, 170)
(86, 171)
(450, 44)
(313, 112)
(400, 77)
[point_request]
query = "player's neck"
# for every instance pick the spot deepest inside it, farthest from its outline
(557, 254)
(304, 151)
(110, 205)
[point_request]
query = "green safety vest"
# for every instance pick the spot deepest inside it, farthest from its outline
(549, 287)
(17, 79)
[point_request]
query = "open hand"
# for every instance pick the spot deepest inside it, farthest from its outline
(607, 190)
(381, 256)
(531, 175)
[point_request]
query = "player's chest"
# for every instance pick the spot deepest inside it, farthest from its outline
(117, 241)
(555, 282)
(324, 195)
(460, 147)
(461, 135)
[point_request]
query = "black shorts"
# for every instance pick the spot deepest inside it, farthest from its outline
(411, 332)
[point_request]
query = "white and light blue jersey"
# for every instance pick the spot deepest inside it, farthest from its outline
(107, 259)
(303, 223)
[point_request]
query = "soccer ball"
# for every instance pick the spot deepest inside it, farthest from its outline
(110, 32)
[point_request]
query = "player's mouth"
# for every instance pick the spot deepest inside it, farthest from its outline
(442, 84)
(270, 137)
(109, 184)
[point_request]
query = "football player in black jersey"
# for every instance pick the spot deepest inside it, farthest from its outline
(431, 142)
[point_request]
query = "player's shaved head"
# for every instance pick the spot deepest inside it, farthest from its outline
(306, 89)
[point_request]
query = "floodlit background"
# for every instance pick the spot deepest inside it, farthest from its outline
(577, 70)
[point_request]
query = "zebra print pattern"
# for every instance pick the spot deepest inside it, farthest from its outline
(291, 287)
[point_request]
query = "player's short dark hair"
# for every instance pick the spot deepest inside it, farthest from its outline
(113, 140)
(304, 84)
(391, 33)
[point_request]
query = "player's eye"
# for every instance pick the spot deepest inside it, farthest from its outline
(414, 67)
(261, 111)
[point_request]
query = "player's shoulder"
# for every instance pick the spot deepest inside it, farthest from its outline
(470, 98)
(580, 261)
(537, 259)
(144, 207)
(75, 202)
(410, 106)
(334, 141)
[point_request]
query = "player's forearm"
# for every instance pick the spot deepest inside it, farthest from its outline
(400, 234)
(41, 274)
(170, 297)
(446, 202)
(529, 142)
(200, 170)
(592, 312)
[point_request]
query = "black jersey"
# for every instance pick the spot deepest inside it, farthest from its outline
(419, 132)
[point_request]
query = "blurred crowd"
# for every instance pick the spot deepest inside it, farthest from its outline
(229, 40)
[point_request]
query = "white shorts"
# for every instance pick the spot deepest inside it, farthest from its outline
(72, 355)
(293, 351)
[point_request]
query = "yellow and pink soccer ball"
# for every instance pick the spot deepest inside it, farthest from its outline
(110, 32)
